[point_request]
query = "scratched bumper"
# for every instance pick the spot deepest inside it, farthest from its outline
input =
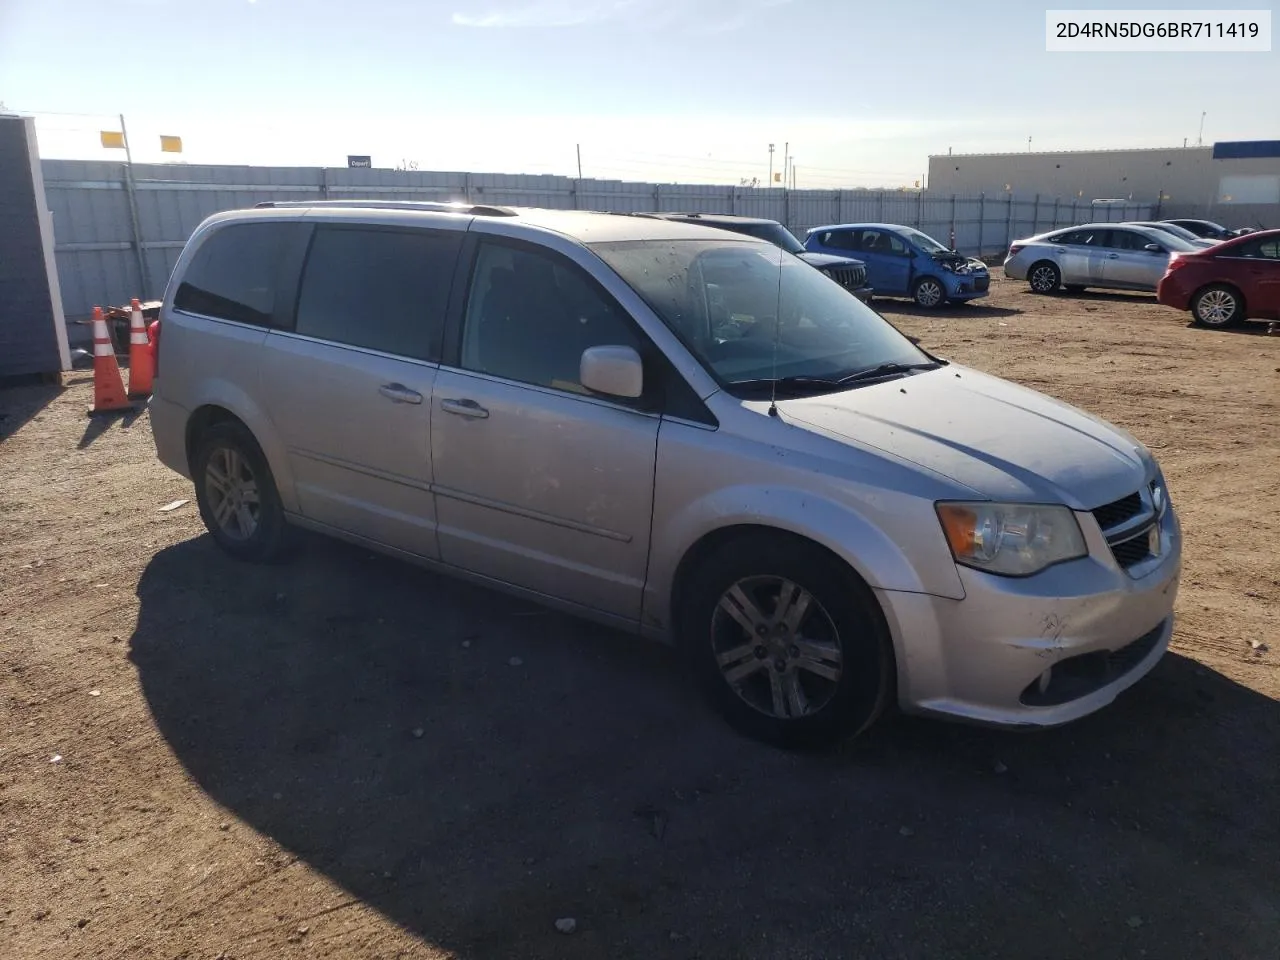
(981, 658)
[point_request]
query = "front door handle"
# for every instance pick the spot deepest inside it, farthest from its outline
(399, 393)
(1113, 256)
(464, 408)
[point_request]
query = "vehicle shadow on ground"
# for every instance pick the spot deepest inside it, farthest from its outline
(476, 768)
(21, 400)
(951, 311)
(1248, 328)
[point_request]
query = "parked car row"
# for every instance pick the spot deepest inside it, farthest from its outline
(1221, 282)
(675, 430)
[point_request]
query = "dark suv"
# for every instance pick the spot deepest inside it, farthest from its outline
(849, 273)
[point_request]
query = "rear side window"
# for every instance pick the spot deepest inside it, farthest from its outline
(233, 274)
(382, 289)
(840, 240)
(1081, 238)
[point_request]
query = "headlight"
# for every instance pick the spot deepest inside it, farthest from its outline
(1012, 539)
(1159, 494)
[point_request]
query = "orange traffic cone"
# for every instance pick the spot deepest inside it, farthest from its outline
(141, 365)
(108, 387)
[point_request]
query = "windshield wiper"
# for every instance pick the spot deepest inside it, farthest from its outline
(886, 370)
(834, 383)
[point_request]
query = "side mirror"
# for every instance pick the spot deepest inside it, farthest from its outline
(613, 371)
(1154, 248)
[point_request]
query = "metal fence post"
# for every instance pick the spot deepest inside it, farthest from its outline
(786, 207)
(839, 217)
(1008, 219)
(657, 198)
(954, 242)
(1035, 217)
(324, 183)
(144, 275)
(982, 216)
(1075, 211)
(919, 208)
(880, 207)
(1055, 212)
(466, 187)
(733, 200)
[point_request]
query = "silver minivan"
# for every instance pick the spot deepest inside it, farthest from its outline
(674, 430)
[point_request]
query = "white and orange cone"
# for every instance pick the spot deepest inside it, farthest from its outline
(141, 363)
(108, 386)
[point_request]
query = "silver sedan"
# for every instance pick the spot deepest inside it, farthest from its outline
(1109, 255)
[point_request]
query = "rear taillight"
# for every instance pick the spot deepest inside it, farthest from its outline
(1015, 249)
(153, 335)
(1176, 261)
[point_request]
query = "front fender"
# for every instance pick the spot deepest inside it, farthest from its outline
(837, 526)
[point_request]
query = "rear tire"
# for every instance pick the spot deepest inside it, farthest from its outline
(816, 665)
(237, 494)
(1044, 277)
(1219, 306)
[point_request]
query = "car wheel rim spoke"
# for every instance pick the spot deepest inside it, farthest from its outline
(777, 647)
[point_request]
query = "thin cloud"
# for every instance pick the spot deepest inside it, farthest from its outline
(710, 15)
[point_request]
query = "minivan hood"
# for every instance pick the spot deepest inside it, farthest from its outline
(1000, 440)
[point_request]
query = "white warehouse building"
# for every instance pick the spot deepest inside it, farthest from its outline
(1236, 183)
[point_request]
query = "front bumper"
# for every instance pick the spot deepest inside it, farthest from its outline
(966, 286)
(983, 658)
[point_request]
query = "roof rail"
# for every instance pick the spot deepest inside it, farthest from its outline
(474, 209)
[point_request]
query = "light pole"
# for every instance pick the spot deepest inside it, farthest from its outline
(770, 181)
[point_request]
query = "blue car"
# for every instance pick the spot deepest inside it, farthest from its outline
(903, 262)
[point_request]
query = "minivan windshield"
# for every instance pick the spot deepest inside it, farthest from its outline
(754, 314)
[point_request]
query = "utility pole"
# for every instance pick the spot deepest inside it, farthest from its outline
(131, 187)
(1028, 144)
(770, 180)
(786, 164)
(1200, 136)
(793, 173)
(579, 148)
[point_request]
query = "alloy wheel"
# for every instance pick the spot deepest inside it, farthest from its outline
(233, 493)
(776, 647)
(929, 293)
(1216, 308)
(1044, 279)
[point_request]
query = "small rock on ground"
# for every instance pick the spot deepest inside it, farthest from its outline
(566, 924)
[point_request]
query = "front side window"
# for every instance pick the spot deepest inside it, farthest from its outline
(377, 288)
(233, 274)
(1081, 238)
(752, 313)
(530, 316)
(926, 242)
(1269, 250)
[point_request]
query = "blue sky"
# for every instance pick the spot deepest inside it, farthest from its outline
(687, 90)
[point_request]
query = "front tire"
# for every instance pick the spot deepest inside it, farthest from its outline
(1218, 306)
(237, 494)
(786, 641)
(928, 293)
(1044, 277)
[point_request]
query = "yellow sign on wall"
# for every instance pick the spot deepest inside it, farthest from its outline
(112, 139)
(170, 144)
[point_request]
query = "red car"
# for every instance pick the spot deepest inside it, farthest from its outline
(1231, 281)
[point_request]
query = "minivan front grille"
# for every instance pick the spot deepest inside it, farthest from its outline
(1113, 514)
(1127, 525)
(849, 277)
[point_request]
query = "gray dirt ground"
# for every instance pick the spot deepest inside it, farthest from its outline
(240, 777)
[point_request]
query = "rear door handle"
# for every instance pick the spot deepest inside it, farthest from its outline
(1113, 256)
(464, 408)
(399, 393)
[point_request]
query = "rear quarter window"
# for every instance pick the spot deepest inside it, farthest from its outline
(233, 275)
